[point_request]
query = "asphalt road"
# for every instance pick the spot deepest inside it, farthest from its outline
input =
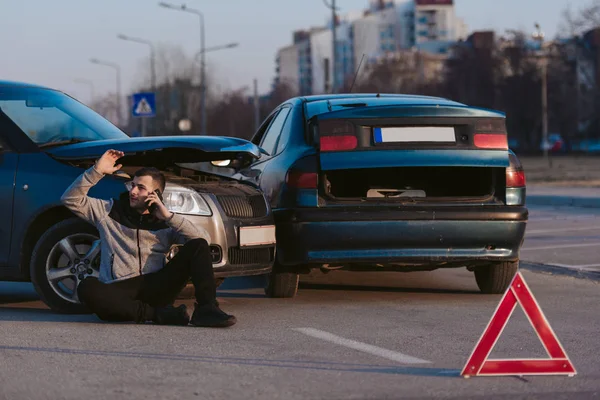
(345, 336)
(568, 237)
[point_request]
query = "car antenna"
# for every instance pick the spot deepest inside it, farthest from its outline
(356, 74)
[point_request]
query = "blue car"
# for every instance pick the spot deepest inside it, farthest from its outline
(374, 182)
(47, 139)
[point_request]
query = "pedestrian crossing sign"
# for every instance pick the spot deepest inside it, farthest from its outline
(144, 105)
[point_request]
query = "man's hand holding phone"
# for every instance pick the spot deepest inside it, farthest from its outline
(157, 207)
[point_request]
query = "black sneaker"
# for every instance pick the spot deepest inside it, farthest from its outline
(170, 315)
(211, 316)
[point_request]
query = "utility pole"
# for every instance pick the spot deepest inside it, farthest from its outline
(539, 36)
(545, 108)
(334, 42)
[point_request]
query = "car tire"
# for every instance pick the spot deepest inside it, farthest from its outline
(46, 256)
(282, 285)
(496, 278)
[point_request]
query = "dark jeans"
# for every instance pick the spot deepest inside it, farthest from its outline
(135, 299)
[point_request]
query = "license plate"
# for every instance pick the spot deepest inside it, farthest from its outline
(415, 134)
(257, 235)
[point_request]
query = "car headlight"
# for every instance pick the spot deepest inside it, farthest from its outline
(182, 200)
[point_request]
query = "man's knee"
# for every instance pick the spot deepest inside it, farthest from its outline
(193, 247)
(197, 244)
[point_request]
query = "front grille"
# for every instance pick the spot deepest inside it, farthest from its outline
(243, 206)
(263, 255)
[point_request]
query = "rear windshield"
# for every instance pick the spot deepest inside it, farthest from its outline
(47, 116)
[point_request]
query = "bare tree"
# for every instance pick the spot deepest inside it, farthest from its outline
(107, 107)
(233, 115)
(580, 20)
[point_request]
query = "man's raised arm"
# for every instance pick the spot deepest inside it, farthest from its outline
(75, 197)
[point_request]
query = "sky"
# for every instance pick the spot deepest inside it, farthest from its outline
(50, 42)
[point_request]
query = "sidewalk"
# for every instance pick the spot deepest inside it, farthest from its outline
(563, 196)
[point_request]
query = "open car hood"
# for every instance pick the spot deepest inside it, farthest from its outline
(164, 150)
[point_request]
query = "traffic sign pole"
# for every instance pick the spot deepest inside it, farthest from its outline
(144, 126)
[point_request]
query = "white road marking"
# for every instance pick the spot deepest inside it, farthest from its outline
(365, 348)
(561, 246)
(539, 231)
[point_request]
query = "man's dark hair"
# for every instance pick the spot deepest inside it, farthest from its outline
(155, 174)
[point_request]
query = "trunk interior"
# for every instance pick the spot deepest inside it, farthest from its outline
(415, 183)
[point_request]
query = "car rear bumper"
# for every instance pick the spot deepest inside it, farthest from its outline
(401, 236)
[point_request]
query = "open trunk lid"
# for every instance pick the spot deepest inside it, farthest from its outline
(411, 136)
(422, 153)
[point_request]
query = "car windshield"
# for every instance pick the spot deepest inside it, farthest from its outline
(50, 117)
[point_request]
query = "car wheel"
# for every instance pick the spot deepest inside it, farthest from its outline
(496, 278)
(66, 254)
(282, 285)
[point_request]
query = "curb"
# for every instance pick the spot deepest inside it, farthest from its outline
(564, 271)
(549, 200)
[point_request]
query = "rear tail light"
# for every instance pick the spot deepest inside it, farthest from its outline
(338, 143)
(515, 175)
(491, 141)
(302, 180)
(515, 181)
(515, 178)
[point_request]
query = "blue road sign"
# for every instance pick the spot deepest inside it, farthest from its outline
(144, 105)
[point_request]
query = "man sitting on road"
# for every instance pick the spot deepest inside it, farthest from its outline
(134, 283)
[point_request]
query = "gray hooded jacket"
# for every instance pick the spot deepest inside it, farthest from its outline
(131, 244)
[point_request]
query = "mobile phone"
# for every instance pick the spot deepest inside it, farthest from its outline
(153, 206)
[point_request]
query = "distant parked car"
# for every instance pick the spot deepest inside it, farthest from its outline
(390, 183)
(48, 139)
(554, 144)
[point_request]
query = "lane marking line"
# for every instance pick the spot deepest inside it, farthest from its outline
(561, 246)
(364, 347)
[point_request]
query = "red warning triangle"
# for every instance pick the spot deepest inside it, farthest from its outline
(480, 365)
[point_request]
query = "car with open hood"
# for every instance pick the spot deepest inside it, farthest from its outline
(377, 182)
(47, 139)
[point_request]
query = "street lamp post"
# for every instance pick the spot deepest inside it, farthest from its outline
(88, 83)
(539, 36)
(184, 8)
(152, 69)
(118, 71)
(220, 47)
(152, 56)
(333, 9)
